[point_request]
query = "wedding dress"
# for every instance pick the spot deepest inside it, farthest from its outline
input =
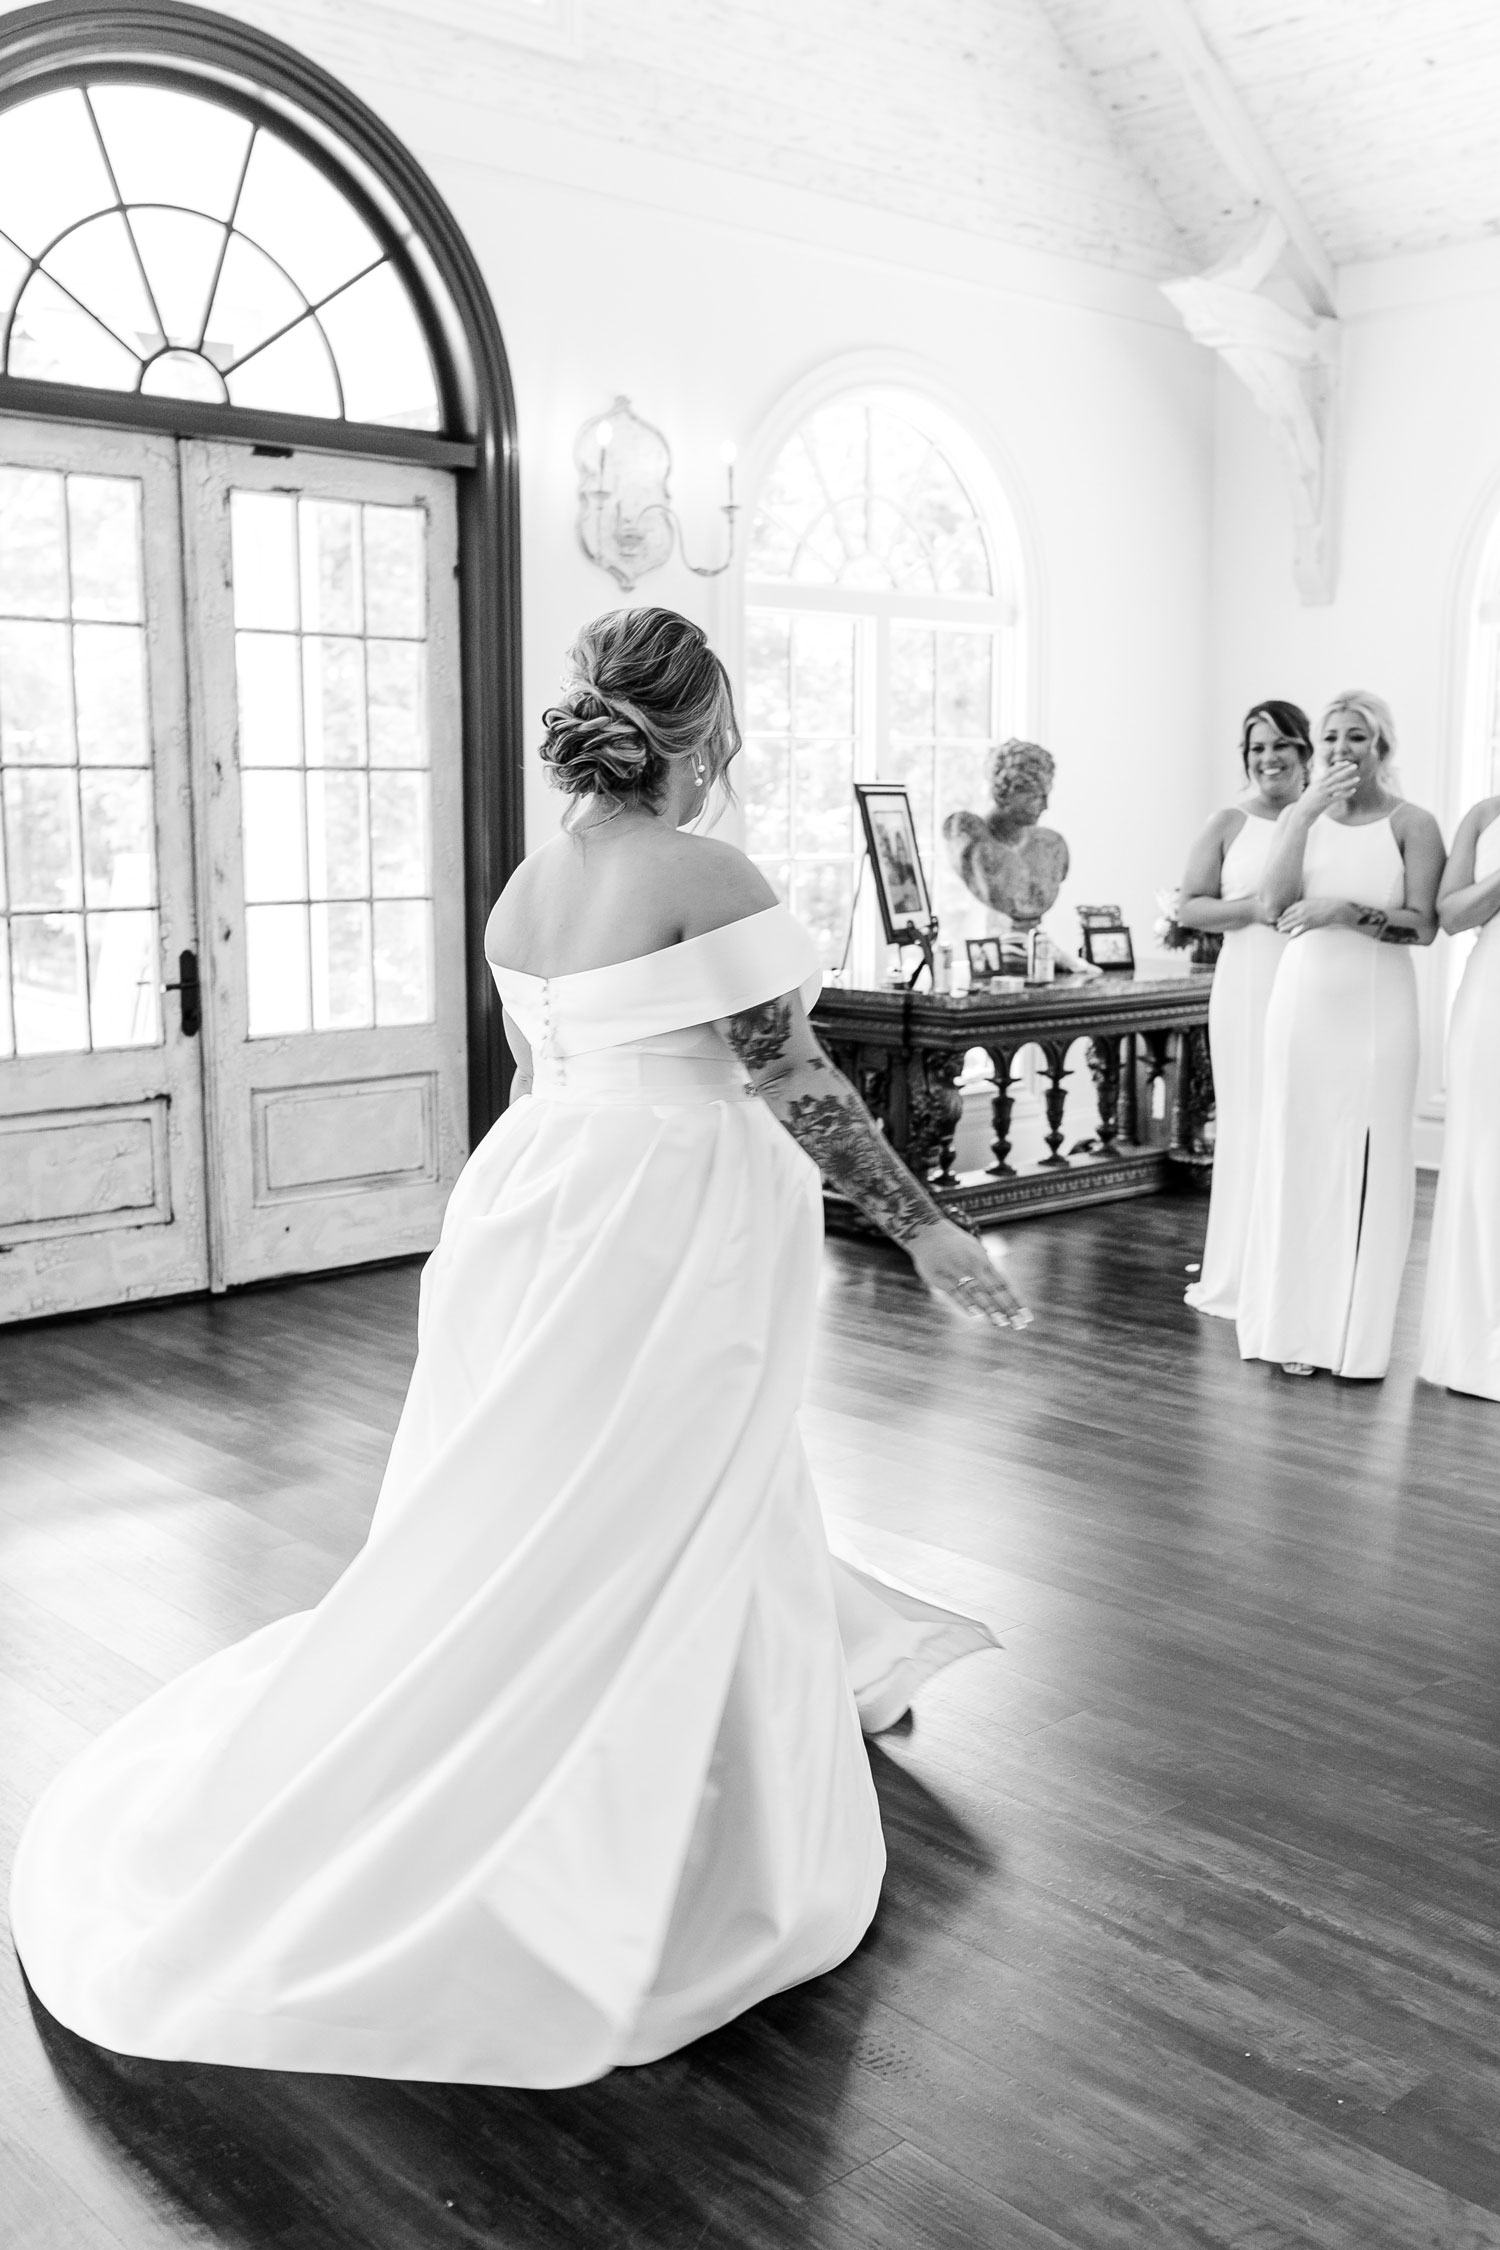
(1335, 1183)
(1237, 1004)
(566, 1769)
(1461, 1315)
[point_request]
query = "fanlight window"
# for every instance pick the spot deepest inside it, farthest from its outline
(155, 242)
(862, 497)
(877, 647)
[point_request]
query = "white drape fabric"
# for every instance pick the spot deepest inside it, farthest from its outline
(1243, 976)
(1335, 1184)
(566, 1769)
(1461, 1312)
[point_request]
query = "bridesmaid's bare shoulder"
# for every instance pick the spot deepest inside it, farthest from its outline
(1476, 820)
(1412, 824)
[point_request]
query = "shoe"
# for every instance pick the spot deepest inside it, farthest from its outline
(1298, 1367)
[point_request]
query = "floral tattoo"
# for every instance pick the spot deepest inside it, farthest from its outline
(1382, 928)
(835, 1128)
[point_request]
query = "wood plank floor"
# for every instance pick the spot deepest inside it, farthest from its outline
(1190, 1934)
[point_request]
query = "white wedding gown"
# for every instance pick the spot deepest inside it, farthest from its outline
(1243, 976)
(1461, 1313)
(566, 1769)
(1335, 1182)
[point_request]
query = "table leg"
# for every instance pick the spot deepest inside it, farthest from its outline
(1191, 1142)
(1055, 1054)
(1104, 1068)
(934, 1106)
(1004, 1061)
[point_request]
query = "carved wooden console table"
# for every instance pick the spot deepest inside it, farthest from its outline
(905, 1052)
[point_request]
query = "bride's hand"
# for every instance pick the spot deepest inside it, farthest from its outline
(955, 1264)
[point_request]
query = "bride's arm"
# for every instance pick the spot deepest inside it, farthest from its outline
(823, 1113)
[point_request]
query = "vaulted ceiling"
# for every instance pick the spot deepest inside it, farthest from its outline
(1383, 115)
(1064, 125)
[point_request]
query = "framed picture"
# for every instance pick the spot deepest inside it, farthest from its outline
(1100, 917)
(1107, 945)
(986, 958)
(891, 840)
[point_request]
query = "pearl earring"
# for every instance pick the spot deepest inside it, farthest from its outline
(698, 768)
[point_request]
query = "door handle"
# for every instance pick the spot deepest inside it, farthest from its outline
(192, 993)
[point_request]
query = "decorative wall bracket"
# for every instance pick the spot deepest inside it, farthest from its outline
(626, 521)
(1288, 361)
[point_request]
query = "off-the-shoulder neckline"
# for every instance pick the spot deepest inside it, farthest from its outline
(657, 953)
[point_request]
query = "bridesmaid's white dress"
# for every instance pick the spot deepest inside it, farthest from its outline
(567, 1768)
(1330, 1217)
(1461, 1315)
(1243, 976)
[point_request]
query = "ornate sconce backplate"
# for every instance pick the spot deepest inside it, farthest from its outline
(626, 521)
(624, 508)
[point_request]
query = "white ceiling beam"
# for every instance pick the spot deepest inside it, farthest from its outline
(1235, 135)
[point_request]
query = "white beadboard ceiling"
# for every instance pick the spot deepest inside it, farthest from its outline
(1059, 125)
(1384, 115)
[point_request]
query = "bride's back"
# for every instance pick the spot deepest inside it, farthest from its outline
(591, 898)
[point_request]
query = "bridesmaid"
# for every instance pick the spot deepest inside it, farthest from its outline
(1352, 879)
(1461, 1317)
(1220, 892)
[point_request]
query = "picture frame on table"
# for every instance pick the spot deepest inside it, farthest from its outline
(895, 861)
(1108, 946)
(1100, 917)
(986, 958)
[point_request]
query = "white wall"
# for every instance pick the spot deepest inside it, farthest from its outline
(1419, 476)
(1101, 421)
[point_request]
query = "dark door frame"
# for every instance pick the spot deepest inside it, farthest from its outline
(62, 42)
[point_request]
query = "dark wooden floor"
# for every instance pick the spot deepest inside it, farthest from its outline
(1190, 1931)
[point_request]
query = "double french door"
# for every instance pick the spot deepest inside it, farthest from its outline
(231, 892)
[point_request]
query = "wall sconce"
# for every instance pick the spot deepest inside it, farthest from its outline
(626, 522)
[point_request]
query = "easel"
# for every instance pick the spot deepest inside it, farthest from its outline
(924, 935)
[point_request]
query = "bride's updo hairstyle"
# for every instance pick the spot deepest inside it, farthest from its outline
(643, 689)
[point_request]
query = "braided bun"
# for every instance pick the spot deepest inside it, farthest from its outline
(643, 690)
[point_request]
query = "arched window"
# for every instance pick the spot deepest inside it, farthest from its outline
(880, 644)
(156, 242)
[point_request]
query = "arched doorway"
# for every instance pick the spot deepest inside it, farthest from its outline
(883, 640)
(259, 669)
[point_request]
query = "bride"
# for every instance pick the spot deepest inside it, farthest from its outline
(566, 1769)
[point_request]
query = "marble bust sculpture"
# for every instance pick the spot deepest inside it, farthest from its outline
(1003, 857)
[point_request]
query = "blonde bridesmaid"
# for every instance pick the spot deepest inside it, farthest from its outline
(1352, 881)
(1220, 891)
(1461, 1316)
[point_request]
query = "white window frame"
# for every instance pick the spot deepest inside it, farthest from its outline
(1003, 612)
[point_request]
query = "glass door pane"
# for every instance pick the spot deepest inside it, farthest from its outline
(331, 658)
(328, 639)
(101, 1153)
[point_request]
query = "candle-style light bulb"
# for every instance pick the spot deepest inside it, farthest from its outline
(604, 432)
(728, 453)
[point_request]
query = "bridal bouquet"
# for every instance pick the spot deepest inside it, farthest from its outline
(1176, 936)
(1167, 930)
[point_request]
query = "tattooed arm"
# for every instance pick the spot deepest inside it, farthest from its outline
(823, 1113)
(1415, 920)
